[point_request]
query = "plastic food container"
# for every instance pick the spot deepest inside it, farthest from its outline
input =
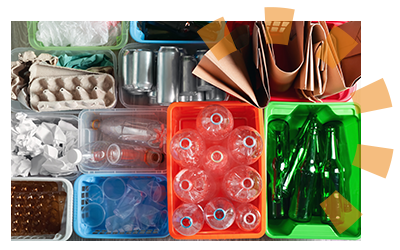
(138, 36)
(295, 114)
(95, 212)
(66, 223)
(16, 106)
(122, 39)
(129, 100)
(87, 134)
(183, 115)
(50, 117)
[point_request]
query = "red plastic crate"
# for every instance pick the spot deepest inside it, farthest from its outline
(181, 115)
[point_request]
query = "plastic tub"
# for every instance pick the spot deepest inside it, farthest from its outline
(88, 135)
(121, 40)
(81, 201)
(183, 115)
(131, 101)
(38, 118)
(16, 106)
(138, 36)
(295, 114)
(66, 223)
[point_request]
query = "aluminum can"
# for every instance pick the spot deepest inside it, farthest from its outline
(201, 84)
(138, 71)
(168, 78)
(188, 83)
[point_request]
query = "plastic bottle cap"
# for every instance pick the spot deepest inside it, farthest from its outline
(74, 156)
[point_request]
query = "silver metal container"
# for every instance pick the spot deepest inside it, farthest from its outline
(126, 70)
(215, 94)
(188, 83)
(138, 71)
(168, 75)
(152, 96)
(201, 84)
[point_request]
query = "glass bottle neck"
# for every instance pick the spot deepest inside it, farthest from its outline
(331, 145)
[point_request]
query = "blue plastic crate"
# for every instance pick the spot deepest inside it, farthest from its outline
(81, 199)
(138, 36)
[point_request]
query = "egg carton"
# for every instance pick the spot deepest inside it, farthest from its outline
(90, 91)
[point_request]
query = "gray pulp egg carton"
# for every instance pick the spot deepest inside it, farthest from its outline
(55, 88)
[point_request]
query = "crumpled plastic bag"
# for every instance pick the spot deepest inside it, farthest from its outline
(75, 33)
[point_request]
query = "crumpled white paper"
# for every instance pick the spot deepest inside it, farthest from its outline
(42, 143)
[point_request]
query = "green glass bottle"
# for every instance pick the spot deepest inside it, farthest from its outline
(297, 155)
(277, 168)
(306, 176)
(332, 175)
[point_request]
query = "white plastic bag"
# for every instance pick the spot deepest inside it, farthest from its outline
(74, 33)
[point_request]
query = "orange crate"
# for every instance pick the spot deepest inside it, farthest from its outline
(181, 115)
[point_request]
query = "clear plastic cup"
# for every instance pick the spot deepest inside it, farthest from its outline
(93, 215)
(95, 194)
(114, 188)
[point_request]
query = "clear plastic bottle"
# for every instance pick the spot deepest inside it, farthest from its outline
(187, 148)
(219, 213)
(242, 184)
(194, 185)
(147, 132)
(188, 219)
(216, 161)
(214, 122)
(248, 217)
(245, 145)
(121, 154)
(92, 155)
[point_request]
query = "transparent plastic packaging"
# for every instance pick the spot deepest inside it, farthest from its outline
(131, 203)
(214, 122)
(188, 219)
(187, 148)
(219, 213)
(77, 33)
(248, 217)
(128, 154)
(95, 154)
(242, 184)
(151, 133)
(194, 185)
(245, 145)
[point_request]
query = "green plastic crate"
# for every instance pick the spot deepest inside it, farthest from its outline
(295, 114)
(121, 40)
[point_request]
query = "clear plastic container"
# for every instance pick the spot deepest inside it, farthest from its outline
(122, 39)
(16, 106)
(89, 134)
(67, 217)
(129, 100)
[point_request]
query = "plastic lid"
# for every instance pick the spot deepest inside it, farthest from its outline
(74, 156)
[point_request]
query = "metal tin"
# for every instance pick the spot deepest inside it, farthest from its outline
(138, 71)
(152, 96)
(201, 84)
(188, 83)
(126, 68)
(167, 75)
(215, 94)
